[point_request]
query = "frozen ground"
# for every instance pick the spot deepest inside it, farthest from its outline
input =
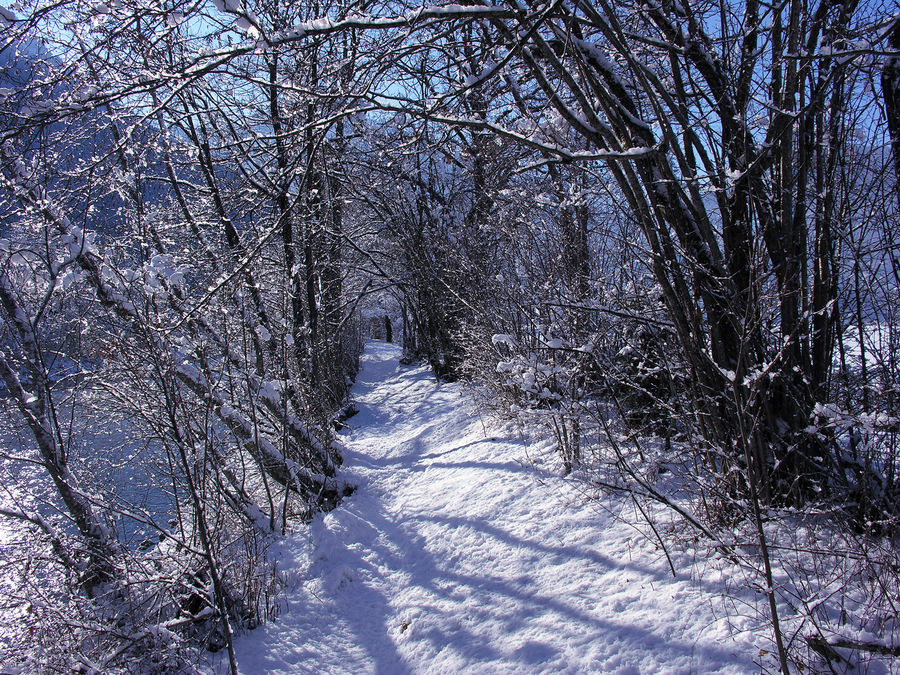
(457, 555)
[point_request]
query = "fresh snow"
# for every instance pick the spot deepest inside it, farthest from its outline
(460, 553)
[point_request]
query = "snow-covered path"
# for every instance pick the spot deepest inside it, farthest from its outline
(455, 555)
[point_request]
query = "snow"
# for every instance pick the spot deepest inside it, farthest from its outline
(270, 392)
(459, 553)
(6, 17)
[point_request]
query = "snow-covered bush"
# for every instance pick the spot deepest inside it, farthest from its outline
(170, 387)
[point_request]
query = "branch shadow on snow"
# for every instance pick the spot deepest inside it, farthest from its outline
(354, 590)
(393, 589)
(560, 552)
(510, 603)
(530, 604)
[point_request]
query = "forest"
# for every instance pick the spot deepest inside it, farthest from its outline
(665, 235)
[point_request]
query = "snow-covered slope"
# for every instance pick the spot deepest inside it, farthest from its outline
(456, 555)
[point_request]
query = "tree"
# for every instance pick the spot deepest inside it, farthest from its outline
(118, 194)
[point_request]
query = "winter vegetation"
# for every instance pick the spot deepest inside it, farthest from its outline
(660, 239)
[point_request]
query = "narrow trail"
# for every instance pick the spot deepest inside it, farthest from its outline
(456, 555)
